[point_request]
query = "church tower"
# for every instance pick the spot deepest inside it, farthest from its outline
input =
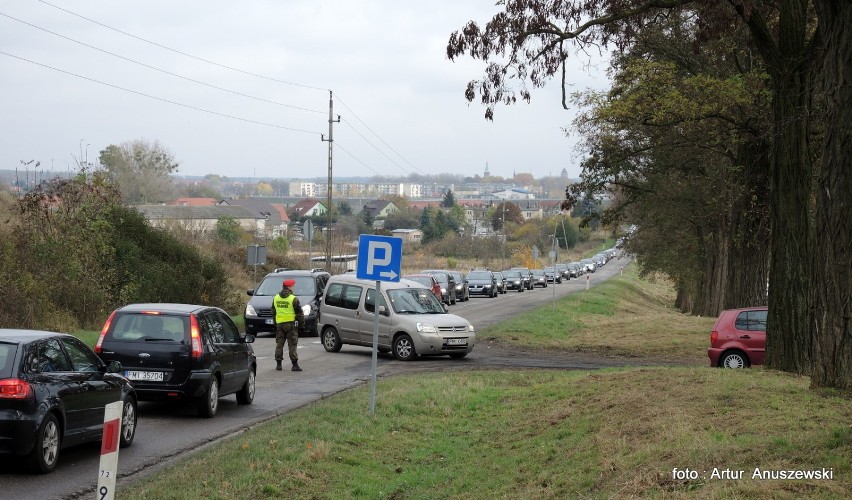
(487, 174)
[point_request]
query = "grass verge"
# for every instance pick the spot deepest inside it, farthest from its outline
(538, 434)
(626, 316)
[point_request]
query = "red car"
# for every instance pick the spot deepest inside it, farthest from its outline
(428, 281)
(738, 338)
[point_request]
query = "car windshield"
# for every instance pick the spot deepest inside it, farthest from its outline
(414, 301)
(538, 272)
(511, 274)
(271, 285)
(423, 280)
(441, 277)
(478, 275)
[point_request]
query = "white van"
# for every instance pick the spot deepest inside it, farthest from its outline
(416, 323)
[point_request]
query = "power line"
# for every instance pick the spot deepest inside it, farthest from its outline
(377, 136)
(243, 72)
(181, 53)
(337, 145)
(376, 148)
(247, 120)
(159, 69)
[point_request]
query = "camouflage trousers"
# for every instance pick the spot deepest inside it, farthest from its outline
(286, 332)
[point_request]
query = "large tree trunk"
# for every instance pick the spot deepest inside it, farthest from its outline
(788, 341)
(831, 277)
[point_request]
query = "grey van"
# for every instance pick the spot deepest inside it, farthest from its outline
(415, 323)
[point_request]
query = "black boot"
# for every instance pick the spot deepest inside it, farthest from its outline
(296, 366)
(278, 364)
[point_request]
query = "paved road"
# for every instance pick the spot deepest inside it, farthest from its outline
(166, 432)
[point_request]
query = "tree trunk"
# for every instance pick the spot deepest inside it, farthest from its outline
(788, 341)
(831, 277)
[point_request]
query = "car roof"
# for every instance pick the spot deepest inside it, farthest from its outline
(163, 307)
(21, 335)
(386, 285)
(296, 272)
(418, 275)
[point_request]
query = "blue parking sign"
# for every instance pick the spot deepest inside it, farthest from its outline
(379, 258)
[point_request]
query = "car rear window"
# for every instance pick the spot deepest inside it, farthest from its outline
(146, 327)
(7, 357)
(751, 320)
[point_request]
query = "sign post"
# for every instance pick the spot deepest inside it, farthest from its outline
(380, 259)
(109, 451)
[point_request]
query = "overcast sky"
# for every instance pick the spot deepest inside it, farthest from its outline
(400, 99)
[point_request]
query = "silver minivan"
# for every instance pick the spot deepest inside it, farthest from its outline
(416, 323)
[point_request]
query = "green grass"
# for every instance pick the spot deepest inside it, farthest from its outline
(535, 434)
(614, 433)
(626, 316)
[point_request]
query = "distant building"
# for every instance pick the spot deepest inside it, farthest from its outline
(201, 219)
(308, 207)
(408, 235)
(379, 209)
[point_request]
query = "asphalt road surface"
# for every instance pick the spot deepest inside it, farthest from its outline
(166, 431)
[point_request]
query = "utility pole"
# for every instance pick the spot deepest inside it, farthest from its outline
(330, 140)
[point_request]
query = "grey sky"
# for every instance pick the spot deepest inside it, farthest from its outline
(385, 60)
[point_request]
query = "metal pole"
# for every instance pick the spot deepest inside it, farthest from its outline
(375, 359)
(553, 263)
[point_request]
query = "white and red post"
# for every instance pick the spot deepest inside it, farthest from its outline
(109, 451)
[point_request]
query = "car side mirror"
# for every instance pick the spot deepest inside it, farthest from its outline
(384, 311)
(248, 338)
(250, 292)
(114, 366)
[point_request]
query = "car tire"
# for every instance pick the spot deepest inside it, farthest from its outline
(246, 394)
(129, 418)
(208, 404)
(331, 340)
(403, 348)
(458, 355)
(45, 453)
(734, 359)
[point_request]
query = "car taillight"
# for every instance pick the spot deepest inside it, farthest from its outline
(13, 388)
(104, 330)
(714, 336)
(195, 336)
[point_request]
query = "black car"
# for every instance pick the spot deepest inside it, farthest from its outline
(462, 288)
(53, 391)
(514, 280)
(482, 282)
(501, 281)
(527, 275)
(308, 288)
(181, 351)
(447, 282)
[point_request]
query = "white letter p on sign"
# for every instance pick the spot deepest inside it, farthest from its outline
(372, 261)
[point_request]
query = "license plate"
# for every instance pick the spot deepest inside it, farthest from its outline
(270, 322)
(456, 341)
(152, 376)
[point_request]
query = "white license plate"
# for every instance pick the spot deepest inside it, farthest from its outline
(270, 322)
(456, 341)
(153, 376)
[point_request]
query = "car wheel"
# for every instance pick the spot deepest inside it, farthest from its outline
(128, 422)
(209, 403)
(246, 394)
(734, 359)
(458, 355)
(403, 348)
(46, 451)
(330, 339)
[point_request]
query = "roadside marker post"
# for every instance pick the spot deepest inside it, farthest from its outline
(109, 451)
(380, 259)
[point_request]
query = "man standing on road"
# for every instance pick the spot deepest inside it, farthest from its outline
(287, 313)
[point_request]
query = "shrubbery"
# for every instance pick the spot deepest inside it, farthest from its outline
(71, 252)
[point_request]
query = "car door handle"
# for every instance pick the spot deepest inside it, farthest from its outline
(745, 336)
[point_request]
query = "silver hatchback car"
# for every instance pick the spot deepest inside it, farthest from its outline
(412, 321)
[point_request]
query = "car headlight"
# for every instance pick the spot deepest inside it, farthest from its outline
(306, 309)
(443, 290)
(469, 327)
(426, 327)
(250, 310)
